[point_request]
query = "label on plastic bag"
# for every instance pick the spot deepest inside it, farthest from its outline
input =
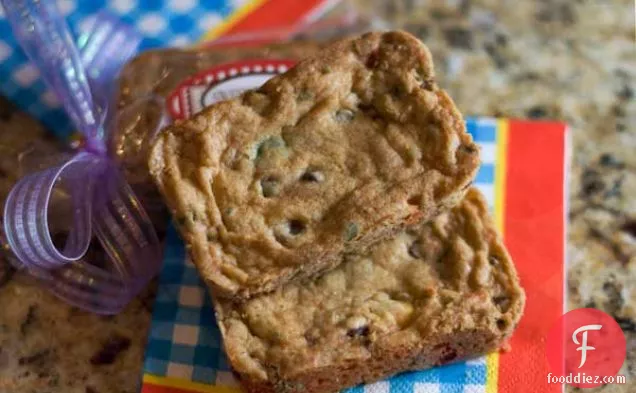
(221, 83)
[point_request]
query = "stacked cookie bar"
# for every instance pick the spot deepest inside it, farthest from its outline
(330, 212)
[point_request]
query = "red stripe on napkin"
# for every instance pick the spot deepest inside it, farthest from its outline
(534, 223)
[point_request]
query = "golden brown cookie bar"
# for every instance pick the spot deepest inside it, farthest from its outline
(338, 153)
(441, 292)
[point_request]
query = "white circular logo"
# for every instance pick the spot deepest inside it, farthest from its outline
(221, 83)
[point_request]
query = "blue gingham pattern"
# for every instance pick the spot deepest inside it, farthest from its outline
(185, 342)
(162, 22)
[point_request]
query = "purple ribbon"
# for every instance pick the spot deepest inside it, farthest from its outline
(103, 204)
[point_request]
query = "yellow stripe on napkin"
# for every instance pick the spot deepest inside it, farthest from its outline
(492, 359)
(231, 20)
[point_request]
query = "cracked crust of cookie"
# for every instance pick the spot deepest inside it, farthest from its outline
(342, 151)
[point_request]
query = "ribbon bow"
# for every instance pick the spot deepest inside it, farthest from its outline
(103, 204)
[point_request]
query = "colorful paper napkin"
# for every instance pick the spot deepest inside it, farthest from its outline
(162, 23)
(522, 176)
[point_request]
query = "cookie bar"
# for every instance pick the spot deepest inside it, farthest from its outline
(442, 292)
(341, 151)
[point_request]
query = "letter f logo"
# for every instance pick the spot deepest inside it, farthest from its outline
(584, 347)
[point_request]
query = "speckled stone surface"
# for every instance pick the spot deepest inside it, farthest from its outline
(569, 60)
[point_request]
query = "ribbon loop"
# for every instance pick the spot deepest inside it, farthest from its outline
(26, 212)
(46, 40)
(104, 49)
(123, 228)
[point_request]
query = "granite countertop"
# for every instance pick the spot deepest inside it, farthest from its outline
(573, 61)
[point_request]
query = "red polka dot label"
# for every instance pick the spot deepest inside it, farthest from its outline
(221, 83)
(585, 348)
